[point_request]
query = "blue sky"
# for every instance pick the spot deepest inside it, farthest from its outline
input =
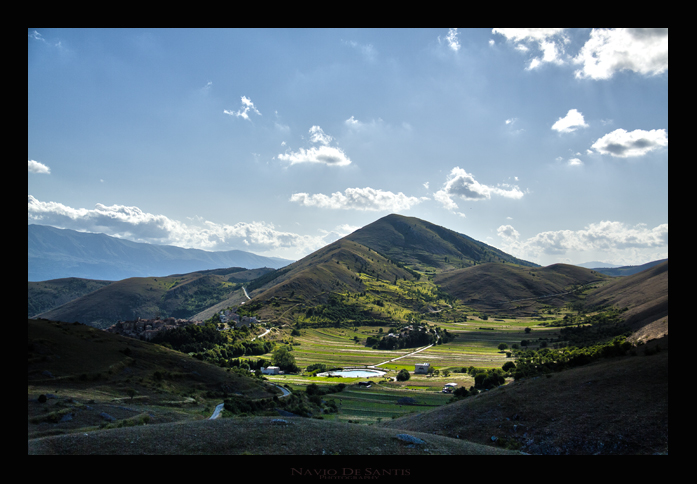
(550, 144)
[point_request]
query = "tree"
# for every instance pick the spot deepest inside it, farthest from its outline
(403, 375)
(527, 330)
(503, 346)
(283, 359)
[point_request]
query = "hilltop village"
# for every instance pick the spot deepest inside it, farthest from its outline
(146, 329)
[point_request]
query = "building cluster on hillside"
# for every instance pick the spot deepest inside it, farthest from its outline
(146, 329)
(406, 331)
(229, 316)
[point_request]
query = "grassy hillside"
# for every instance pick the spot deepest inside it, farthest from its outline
(179, 296)
(46, 295)
(86, 371)
(614, 406)
(506, 288)
(343, 267)
(646, 296)
(264, 436)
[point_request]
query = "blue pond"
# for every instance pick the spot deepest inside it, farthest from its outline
(354, 373)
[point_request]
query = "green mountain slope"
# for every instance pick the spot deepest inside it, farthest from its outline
(380, 272)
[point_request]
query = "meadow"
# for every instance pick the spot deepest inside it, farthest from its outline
(476, 345)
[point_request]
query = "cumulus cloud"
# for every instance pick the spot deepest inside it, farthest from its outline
(572, 121)
(323, 154)
(247, 105)
(134, 224)
(548, 43)
(463, 185)
(608, 51)
(37, 167)
(608, 237)
(368, 199)
(623, 144)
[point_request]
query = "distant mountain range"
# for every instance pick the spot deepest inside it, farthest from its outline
(60, 253)
(618, 271)
(395, 269)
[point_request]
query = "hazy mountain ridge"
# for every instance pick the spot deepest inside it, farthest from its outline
(59, 253)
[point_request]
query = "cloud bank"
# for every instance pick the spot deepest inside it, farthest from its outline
(613, 239)
(132, 223)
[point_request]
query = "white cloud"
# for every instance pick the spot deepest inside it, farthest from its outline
(570, 122)
(463, 185)
(608, 51)
(623, 144)
(133, 224)
(323, 154)
(575, 162)
(319, 136)
(247, 105)
(614, 240)
(549, 42)
(508, 232)
(37, 167)
(368, 199)
(452, 40)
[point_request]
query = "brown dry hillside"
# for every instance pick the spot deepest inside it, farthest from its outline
(613, 406)
(646, 296)
(507, 287)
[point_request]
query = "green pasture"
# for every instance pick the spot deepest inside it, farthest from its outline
(379, 402)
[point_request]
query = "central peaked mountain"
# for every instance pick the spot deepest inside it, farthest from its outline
(426, 246)
(362, 272)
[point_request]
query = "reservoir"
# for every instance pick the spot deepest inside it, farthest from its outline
(360, 373)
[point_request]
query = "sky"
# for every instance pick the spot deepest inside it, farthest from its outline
(549, 144)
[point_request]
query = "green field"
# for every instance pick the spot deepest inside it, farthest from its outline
(476, 345)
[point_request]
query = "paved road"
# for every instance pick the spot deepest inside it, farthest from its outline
(219, 407)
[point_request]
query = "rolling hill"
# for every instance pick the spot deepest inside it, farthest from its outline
(59, 253)
(613, 406)
(515, 289)
(43, 296)
(85, 371)
(179, 296)
(645, 294)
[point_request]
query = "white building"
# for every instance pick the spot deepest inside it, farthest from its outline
(421, 368)
(271, 370)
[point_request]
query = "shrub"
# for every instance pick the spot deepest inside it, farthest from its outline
(403, 375)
